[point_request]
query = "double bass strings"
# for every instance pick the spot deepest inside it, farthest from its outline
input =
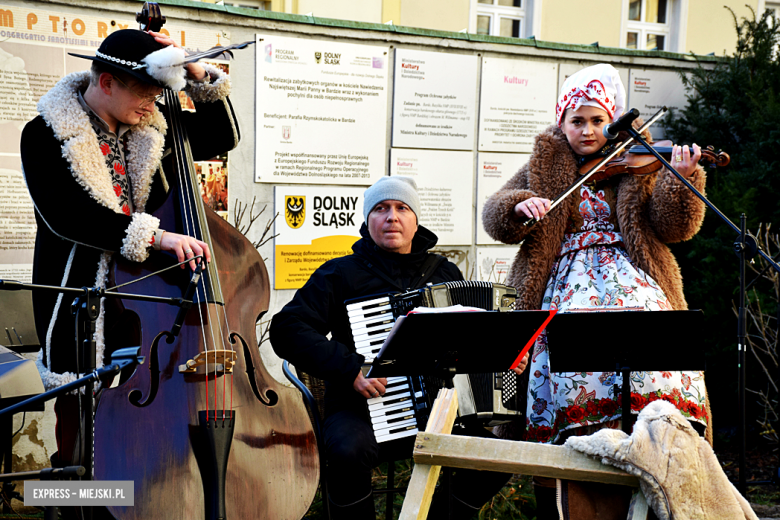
(190, 199)
(172, 103)
(191, 196)
(187, 204)
(213, 277)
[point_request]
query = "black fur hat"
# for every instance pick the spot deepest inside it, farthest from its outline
(137, 53)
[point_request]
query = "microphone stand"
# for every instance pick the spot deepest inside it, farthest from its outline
(746, 247)
(68, 472)
(120, 359)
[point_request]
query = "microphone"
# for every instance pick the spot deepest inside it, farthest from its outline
(624, 122)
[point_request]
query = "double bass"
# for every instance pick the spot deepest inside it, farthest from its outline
(202, 429)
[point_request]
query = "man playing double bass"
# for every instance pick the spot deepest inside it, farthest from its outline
(95, 164)
(392, 256)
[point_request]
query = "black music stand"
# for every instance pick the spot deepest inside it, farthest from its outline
(16, 317)
(625, 341)
(449, 343)
(443, 344)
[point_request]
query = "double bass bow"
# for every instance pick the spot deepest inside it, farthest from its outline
(203, 430)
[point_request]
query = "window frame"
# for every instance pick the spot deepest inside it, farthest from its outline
(774, 6)
(490, 24)
(644, 29)
(503, 12)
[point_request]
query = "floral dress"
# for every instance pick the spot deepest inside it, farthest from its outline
(591, 270)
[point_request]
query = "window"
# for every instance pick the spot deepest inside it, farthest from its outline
(648, 25)
(501, 17)
(261, 5)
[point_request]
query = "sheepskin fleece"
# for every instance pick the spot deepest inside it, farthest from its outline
(678, 471)
(216, 89)
(652, 210)
(63, 113)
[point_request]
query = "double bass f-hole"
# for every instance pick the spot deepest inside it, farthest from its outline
(270, 398)
(135, 396)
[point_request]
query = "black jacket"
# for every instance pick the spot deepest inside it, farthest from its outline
(298, 332)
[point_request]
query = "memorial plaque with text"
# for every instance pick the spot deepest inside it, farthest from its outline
(445, 181)
(517, 101)
(321, 111)
(493, 171)
(435, 100)
(649, 90)
(315, 224)
(493, 263)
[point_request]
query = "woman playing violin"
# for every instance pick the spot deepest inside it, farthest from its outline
(601, 247)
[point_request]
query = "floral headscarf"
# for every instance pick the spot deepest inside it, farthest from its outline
(597, 86)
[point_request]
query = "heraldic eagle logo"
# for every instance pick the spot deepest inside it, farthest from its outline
(294, 210)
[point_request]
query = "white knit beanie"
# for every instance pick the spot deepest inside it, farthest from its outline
(396, 187)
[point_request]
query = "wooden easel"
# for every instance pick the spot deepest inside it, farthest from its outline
(436, 448)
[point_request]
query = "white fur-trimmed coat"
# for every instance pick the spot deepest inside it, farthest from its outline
(80, 222)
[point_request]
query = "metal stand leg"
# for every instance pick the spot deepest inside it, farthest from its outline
(626, 418)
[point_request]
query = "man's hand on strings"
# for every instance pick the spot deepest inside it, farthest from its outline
(369, 388)
(535, 207)
(194, 70)
(185, 247)
(520, 368)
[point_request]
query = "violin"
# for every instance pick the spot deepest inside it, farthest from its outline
(202, 429)
(637, 160)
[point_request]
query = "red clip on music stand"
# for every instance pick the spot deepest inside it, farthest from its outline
(449, 343)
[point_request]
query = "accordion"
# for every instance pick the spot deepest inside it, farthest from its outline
(404, 409)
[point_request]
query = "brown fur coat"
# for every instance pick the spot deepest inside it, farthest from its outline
(651, 210)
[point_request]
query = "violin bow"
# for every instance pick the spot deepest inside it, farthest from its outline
(582, 180)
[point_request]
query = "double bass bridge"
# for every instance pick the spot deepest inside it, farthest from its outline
(219, 360)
